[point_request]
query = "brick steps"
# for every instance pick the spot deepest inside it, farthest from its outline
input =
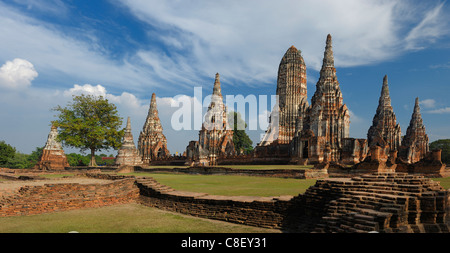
(387, 202)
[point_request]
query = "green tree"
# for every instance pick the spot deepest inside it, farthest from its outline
(35, 155)
(89, 123)
(444, 145)
(20, 161)
(7, 153)
(240, 138)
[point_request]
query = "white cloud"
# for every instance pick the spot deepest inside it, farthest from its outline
(431, 27)
(86, 89)
(17, 74)
(245, 40)
(56, 52)
(428, 103)
(440, 111)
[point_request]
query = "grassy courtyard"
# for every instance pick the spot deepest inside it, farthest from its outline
(128, 218)
(232, 185)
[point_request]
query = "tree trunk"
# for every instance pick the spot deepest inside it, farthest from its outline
(92, 163)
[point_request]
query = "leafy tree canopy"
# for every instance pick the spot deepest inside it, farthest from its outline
(444, 145)
(240, 138)
(7, 153)
(89, 123)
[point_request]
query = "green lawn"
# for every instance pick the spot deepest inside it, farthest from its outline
(232, 185)
(242, 167)
(128, 218)
(445, 182)
(267, 167)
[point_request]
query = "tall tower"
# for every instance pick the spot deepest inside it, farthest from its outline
(385, 130)
(328, 117)
(291, 91)
(415, 143)
(215, 137)
(152, 143)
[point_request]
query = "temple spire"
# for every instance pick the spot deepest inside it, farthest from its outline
(415, 142)
(328, 59)
(385, 98)
(128, 128)
(217, 90)
(417, 107)
(385, 130)
(152, 143)
(153, 108)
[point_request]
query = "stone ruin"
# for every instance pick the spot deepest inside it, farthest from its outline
(216, 137)
(128, 156)
(382, 202)
(53, 157)
(415, 143)
(152, 143)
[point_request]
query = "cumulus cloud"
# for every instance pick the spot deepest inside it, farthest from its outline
(428, 103)
(17, 74)
(245, 40)
(60, 51)
(440, 111)
(126, 100)
(86, 89)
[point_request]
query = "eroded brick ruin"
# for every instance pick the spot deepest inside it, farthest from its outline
(319, 133)
(53, 157)
(384, 202)
(216, 137)
(415, 143)
(128, 154)
(152, 143)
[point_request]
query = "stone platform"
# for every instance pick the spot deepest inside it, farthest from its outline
(383, 202)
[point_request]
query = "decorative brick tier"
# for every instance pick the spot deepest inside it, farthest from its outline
(384, 202)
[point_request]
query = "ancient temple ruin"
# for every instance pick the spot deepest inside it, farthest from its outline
(385, 132)
(325, 124)
(310, 133)
(152, 143)
(128, 154)
(415, 143)
(216, 136)
(292, 101)
(53, 157)
(291, 91)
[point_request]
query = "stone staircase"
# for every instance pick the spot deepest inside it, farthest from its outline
(382, 202)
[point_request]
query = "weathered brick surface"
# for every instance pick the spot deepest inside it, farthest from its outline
(265, 212)
(386, 202)
(30, 200)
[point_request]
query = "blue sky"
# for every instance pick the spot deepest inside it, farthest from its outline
(128, 49)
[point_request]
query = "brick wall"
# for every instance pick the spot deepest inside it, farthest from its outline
(267, 212)
(30, 200)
